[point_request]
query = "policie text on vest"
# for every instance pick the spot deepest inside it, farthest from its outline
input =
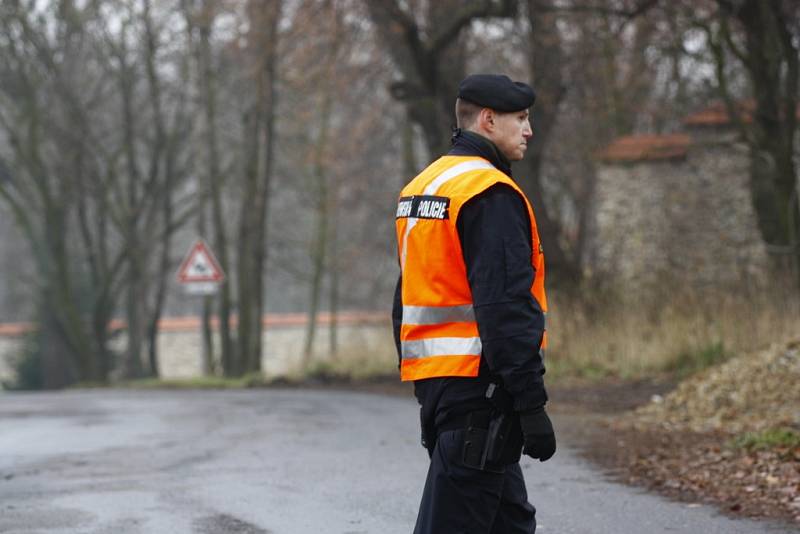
(424, 207)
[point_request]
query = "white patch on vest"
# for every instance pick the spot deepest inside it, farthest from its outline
(432, 209)
(404, 208)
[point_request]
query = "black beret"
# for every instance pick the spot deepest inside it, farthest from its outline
(496, 91)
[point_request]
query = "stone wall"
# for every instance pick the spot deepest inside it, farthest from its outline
(180, 353)
(686, 220)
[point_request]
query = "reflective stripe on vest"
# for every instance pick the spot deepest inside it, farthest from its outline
(441, 346)
(456, 355)
(427, 315)
(439, 334)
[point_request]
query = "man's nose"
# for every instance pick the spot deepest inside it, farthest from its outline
(527, 132)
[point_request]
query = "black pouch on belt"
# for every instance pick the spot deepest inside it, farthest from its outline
(504, 443)
(496, 438)
(476, 442)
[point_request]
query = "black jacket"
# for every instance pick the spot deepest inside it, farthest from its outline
(496, 241)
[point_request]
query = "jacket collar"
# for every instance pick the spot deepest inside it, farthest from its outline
(467, 143)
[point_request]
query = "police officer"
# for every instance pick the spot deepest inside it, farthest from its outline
(469, 317)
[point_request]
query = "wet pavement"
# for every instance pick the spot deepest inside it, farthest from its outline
(271, 461)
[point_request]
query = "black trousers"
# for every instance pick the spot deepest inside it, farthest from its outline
(462, 500)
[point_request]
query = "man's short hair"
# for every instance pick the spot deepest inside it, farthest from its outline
(466, 113)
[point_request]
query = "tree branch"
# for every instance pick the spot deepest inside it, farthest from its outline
(465, 16)
(726, 34)
(392, 22)
(719, 61)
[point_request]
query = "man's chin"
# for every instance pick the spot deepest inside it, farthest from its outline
(514, 155)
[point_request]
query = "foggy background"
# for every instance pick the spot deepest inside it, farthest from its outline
(282, 131)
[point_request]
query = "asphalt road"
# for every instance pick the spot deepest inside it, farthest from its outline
(270, 461)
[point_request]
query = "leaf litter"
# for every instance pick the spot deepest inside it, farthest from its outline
(728, 435)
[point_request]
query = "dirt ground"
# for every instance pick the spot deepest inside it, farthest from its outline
(692, 467)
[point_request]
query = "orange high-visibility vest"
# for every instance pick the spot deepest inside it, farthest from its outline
(439, 334)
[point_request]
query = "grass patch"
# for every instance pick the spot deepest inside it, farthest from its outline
(591, 371)
(637, 336)
(252, 380)
(688, 362)
(319, 372)
(773, 438)
(357, 368)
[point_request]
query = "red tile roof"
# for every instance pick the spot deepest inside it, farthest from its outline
(674, 146)
(15, 329)
(645, 148)
(717, 114)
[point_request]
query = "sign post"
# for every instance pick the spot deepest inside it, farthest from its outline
(200, 272)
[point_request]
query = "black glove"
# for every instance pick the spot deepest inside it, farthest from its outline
(540, 440)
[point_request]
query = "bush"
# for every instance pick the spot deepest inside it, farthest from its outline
(28, 365)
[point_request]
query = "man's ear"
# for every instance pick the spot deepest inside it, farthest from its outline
(486, 119)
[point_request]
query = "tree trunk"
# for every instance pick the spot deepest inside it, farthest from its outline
(270, 60)
(157, 149)
(264, 18)
(320, 239)
(333, 269)
(246, 240)
(208, 92)
(546, 59)
(770, 57)
(207, 356)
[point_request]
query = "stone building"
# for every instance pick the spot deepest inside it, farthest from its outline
(676, 209)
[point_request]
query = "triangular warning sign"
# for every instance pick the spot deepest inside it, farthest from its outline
(200, 265)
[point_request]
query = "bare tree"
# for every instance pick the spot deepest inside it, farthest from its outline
(546, 60)
(259, 130)
(143, 196)
(102, 178)
(759, 34)
(169, 164)
(323, 200)
(594, 81)
(60, 177)
(241, 348)
(201, 15)
(429, 58)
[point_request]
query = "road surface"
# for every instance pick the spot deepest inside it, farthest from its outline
(270, 461)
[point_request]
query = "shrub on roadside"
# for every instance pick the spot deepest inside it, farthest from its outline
(27, 366)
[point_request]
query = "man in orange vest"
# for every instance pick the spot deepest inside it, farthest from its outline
(469, 316)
